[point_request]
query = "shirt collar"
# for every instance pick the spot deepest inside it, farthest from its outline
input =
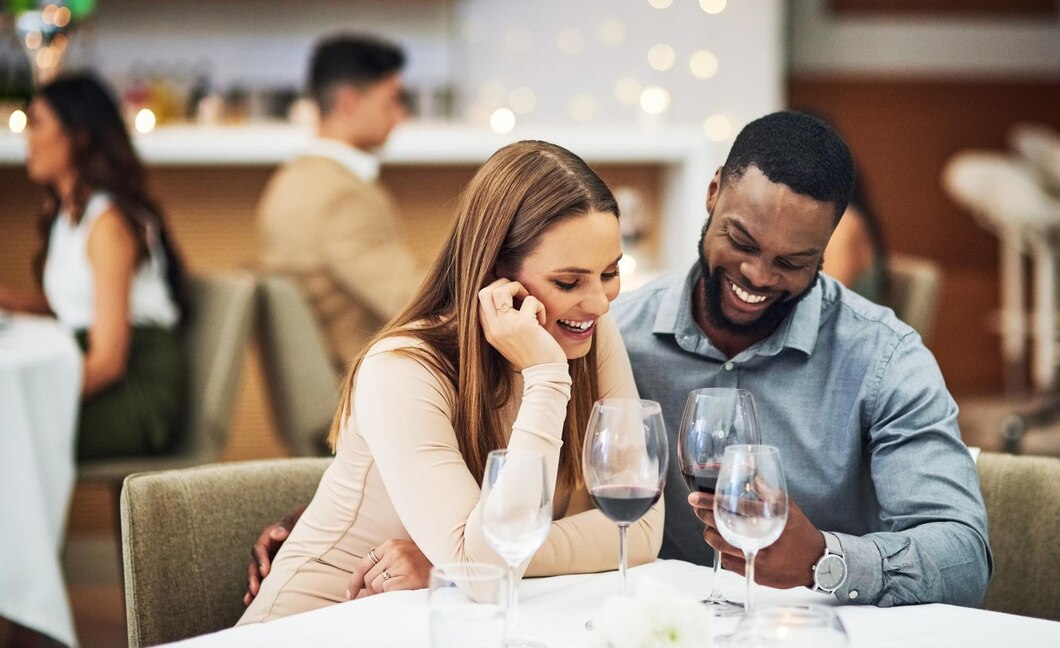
(363, 165)
(798, 331)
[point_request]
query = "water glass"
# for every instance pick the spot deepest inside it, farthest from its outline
(516, 510)
(790, 626)
(466, 603)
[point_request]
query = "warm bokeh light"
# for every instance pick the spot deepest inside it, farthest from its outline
(712, 6)
(145, 121)
(571, 41)
(717, 128)
(47, 58)
(662, 57)
(627, 265)
(654, 100)
(34, 39)
(48, 14)
(502, 121)
(581, 107)
(660, 4)
(62, 17)
(17, 121)
(703, 64)
(611, 32)
(59, 42)
(522, 100)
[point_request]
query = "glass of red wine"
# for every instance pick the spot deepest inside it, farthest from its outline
(713, 420)
(624, 462)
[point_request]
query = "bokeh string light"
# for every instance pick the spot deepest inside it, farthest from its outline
(43, 26)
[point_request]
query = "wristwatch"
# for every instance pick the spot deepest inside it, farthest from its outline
(830, 570)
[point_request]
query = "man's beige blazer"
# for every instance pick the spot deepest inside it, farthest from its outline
(340, 237)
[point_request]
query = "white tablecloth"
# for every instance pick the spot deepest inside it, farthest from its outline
(40, 383)
(554, 610)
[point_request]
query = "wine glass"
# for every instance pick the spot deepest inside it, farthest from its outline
(751, 503)
(624, 462)
(516, 509)
(713, 420)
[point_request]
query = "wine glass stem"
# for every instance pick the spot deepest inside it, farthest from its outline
(749, 557)
(513, 603)
(715, 588)
(622, 557)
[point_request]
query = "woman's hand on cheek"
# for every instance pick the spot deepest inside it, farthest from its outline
(517, 333)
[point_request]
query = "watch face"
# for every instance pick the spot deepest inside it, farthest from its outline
(830, 572)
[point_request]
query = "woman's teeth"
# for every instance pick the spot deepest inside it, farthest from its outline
(577, 326)
(746, 296)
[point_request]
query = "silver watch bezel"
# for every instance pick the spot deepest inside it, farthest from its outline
(833, 553)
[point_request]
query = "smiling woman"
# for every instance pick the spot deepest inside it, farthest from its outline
(507, 344)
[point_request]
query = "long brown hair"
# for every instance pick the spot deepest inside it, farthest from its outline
(103, 157)
(520, 192)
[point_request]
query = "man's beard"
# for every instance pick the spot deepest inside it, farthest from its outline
(771, 317)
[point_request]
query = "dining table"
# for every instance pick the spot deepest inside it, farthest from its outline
(554, 612)
(40, 385)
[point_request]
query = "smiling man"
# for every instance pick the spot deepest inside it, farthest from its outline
(879, 479)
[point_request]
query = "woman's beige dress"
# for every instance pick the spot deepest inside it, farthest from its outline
(398, 473)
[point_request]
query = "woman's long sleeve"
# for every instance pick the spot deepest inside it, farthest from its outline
(403, 410)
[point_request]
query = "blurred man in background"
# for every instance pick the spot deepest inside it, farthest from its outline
(324, 218)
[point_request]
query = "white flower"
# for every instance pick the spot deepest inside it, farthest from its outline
(656, 616)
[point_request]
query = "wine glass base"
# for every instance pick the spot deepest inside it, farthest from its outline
(723, 608)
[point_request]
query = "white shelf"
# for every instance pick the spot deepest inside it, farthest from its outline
(688, 159)
(413, 143)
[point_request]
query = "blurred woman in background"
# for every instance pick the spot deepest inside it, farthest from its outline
(857, 254)
(107, 270)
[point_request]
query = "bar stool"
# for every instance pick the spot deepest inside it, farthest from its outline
(1004, 196)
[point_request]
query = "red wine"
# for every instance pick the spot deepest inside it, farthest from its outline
(624, 504)
(702, 478)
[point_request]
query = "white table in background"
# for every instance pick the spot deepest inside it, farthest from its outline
(40, 385)
(554, 610)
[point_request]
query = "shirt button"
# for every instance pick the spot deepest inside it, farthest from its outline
(728, 366)
(853, 594)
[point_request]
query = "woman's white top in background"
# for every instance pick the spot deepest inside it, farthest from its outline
(68, 280)
(555, 609)
(40, 383)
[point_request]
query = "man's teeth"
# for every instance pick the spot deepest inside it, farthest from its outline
(746, 296)
(581, 326)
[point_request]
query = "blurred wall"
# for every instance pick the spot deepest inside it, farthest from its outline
(908, 91)
(572, 62)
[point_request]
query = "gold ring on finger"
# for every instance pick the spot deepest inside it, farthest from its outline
(504, 308)
(371, 554)
(386, 576)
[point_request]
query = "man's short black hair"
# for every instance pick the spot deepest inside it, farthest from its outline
(797, 150)
(350, 60)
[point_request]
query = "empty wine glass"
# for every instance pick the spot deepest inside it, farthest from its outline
(624, 462)
(713, 420)
(790, 626)
(516, 509)
(751, 503)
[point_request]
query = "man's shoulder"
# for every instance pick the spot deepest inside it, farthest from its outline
(308, 184)
(638, 308)
(853, 318)
(317, 169)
